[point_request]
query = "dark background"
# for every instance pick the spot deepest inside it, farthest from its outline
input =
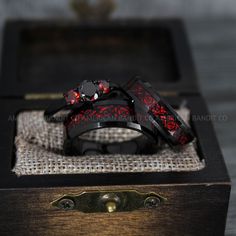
(211, 27)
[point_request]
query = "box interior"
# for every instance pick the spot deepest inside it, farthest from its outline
(53, 57)
(66, 55)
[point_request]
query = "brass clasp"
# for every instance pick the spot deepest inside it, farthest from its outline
(109, 201)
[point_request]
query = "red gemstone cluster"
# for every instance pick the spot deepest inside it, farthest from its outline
(87, 91)
(72, 97)
(104, 86)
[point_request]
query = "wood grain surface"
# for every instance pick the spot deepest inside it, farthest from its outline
(188, 210)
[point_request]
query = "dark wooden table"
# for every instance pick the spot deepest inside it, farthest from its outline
(214, 49)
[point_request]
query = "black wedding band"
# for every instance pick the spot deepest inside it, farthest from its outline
(108, 114)
(162, 116)
(138, 145)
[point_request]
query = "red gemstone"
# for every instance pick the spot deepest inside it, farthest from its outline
(104, 86)
(72, 97)
(100, 86)
(106, 90)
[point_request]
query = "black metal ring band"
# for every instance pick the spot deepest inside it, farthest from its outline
(108, 114)
(138, 145)
(169, 124)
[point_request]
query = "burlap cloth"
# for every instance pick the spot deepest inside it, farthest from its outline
(39, 151)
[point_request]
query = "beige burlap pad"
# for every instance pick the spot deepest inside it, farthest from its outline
(39, 151)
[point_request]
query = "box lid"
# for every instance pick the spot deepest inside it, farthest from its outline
(52, 57)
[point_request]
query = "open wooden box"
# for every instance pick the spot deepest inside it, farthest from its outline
(41, 60)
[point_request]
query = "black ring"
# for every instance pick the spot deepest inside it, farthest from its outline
(108, 114)
(87, 92)
(169, 124)
(139, 145)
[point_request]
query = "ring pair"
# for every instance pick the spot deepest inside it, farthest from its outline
(137, 115)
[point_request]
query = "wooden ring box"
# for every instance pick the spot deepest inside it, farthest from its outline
(40, 60)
